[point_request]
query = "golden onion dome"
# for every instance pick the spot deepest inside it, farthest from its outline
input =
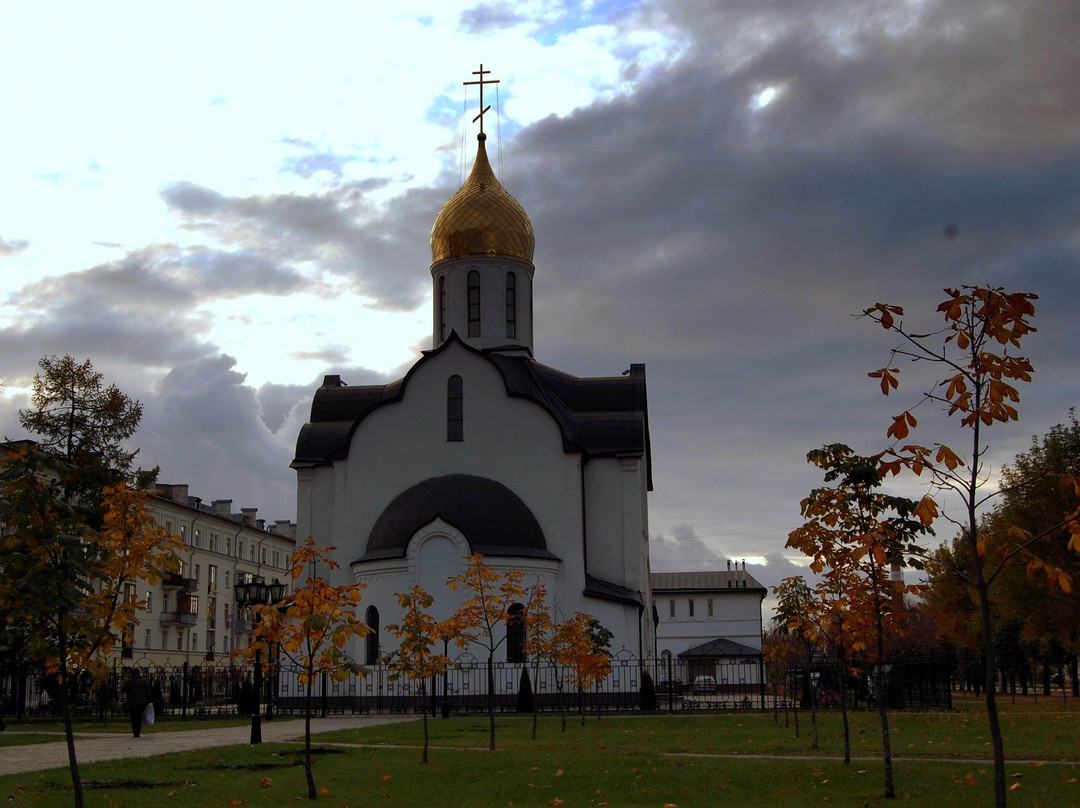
(482, 219)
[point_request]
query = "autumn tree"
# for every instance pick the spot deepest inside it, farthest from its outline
(72, 589)
(312, 627)
(482, 618)
(975, 368)
(417, 634)
(854, 535)
(797, 617)
(77, 417)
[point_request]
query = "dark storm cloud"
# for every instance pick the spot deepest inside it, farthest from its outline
(727, 245)
(490, 17)
(13, 247)
(378, 248)
(138, 311)
(203, 425)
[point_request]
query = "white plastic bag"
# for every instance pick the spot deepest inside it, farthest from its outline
(148, 716)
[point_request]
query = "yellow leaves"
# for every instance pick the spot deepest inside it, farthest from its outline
(266, 782)
(883, 313)
(888, 378)
(926, 511)
(901, 425)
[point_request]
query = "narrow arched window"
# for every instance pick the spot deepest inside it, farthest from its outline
(474, 303)
(515, 633)
(371, 641)
(511, 305)
(455, 408)
(442, 308)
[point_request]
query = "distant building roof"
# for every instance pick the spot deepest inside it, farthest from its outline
(713, 581)
(720, 647)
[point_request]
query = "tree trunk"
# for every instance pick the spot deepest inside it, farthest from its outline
(65, 711)
(844, 717)
(423, 758)
(307, 740)
(1000, 789)
(491, 700)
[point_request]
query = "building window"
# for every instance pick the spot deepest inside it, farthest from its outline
(226, 579)
(194, 642)
(262, 557)
(183, 533)
(198, 537)
(164, 639)
(226, 546)
(511, 305)
(277, 558)
(146, 639)
(165, 602)
(515, 634)
(179, 641)
(442, 308)
(211, 583)
(371, 642)
(252, 553)
(455, 409)
(213, 542)
(239, 549)
(709, 606)
(197, 570)
(690, 603)
(671, 608)
(474, 303)
(149, 601)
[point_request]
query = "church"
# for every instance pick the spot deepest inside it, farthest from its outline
(480, 448)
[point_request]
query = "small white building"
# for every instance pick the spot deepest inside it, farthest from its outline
(709, 623)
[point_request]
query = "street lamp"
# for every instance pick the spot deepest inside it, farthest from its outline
(256, 592)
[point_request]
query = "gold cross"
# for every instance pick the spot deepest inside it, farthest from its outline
(481, 81)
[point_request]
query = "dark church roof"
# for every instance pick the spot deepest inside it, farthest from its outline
(599, 417)
(491, 516)
(720, 648)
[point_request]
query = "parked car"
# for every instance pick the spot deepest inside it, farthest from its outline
(705, 684)
(670, 687)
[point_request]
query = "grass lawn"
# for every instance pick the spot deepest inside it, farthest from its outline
(626, 760)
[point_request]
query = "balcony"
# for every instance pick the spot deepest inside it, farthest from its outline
(174, 580)
(243, 624)
(178, 619)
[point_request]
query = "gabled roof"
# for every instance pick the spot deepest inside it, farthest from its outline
(598, 417)
(719, 647)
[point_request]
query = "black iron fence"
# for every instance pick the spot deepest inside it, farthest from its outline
(225, 688)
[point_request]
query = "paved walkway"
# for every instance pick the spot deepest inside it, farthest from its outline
(92, 747)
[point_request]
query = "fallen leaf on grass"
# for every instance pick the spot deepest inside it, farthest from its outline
(1015, 786)
(324, 790)
(555, 801)
(237, 801)
(1036, 763)
(558, 772)
(970, 779)
(266, 782)
(384, 777)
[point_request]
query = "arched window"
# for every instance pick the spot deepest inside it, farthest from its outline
(455, 409)
(474, 303)
(371, 642)
(511, 305)
(515, 633)
(442, 308)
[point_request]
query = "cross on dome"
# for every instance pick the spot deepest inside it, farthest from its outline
(481, 81)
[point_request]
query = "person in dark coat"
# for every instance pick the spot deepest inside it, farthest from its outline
(137, 696)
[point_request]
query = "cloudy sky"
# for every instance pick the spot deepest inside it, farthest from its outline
(218, 203)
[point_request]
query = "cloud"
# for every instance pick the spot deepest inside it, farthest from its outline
(14, 247)
(373, 246)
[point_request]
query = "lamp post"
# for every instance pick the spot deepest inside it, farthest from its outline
(257, 592)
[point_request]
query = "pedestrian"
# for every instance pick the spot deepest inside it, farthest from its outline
(137, 696)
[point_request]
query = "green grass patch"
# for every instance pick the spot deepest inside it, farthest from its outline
(34, 727)
(629, 760)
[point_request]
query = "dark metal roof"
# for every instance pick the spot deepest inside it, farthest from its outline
(491, 516)
(605, 590)
(719, 581)
(720, 648)
(598, 417)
